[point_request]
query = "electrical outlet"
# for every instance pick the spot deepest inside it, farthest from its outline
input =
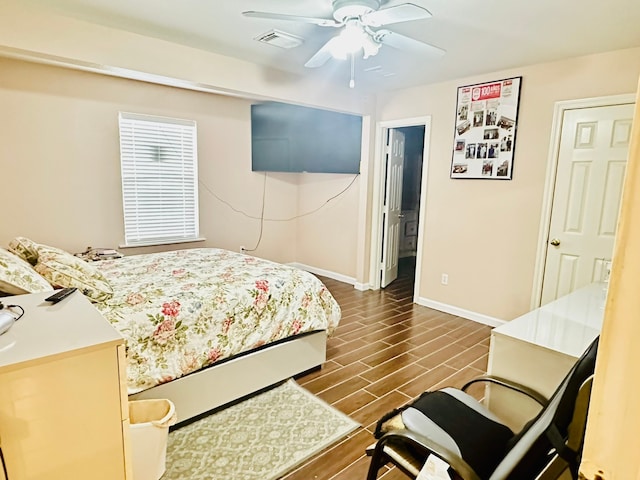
(445, 279)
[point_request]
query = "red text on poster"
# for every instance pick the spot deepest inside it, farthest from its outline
(483, 92)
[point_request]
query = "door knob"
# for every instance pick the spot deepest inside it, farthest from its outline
(401, 215)
(555, 242)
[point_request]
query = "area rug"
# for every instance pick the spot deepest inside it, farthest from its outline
(261, 438)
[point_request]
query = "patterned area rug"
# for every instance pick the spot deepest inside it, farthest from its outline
(261, 438)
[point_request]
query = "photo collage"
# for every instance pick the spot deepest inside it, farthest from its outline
(486, 120)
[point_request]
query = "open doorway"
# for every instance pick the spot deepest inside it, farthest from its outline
(399, 201)
(410, 203)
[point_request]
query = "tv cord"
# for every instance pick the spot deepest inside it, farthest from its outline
(278, 219)
(263, 219)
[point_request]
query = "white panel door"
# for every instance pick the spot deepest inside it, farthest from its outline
(392, 207)
(591, 165)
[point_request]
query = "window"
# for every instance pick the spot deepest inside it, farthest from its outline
(159, 179)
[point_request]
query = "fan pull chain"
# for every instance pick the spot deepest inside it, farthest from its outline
(352, 82)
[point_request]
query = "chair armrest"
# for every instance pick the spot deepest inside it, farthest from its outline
(529, 392)
(426, 445)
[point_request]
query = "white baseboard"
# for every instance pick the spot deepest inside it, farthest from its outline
(443, 307)
(326, 273)
(362, 286)
(460, 312)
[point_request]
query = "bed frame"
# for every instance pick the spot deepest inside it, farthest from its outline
(238, 377)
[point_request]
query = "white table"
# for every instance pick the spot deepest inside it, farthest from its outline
(539, 348)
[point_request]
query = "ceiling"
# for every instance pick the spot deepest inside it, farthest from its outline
(478, 36)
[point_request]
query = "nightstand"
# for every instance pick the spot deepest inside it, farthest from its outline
(97, 254)
(63, 409)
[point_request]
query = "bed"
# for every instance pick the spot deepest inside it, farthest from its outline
(204, 327)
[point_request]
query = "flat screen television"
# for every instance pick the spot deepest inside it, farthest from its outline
(292, 138)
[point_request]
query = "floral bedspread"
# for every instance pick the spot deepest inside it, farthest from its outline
(180, 311)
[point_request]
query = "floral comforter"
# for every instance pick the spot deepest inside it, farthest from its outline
(183, 310)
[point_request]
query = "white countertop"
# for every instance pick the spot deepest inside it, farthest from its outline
(48, 330)
(567, 325)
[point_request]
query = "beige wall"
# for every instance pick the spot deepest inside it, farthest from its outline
(331, 229)
(61, 173)
(483, 233)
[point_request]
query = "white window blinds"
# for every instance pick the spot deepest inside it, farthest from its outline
(159, 179)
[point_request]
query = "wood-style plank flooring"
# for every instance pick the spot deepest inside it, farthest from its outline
(386, 352)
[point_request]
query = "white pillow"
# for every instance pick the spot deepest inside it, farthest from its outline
(62, 269)
(25, 248)
(18, 277)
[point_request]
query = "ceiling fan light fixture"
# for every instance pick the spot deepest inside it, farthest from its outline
(348, 42)
(338, 52)
(370, 47)
(351, 40)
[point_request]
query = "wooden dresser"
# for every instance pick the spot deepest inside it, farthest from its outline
(63, 398)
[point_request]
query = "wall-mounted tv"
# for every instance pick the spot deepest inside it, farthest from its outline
(292, 138)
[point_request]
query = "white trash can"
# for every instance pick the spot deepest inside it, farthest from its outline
(149, 422)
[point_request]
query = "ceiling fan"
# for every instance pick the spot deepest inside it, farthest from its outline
(358, 20)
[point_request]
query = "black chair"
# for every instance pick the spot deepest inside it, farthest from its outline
(458, 429)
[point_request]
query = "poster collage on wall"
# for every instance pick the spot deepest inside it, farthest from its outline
(485, 132)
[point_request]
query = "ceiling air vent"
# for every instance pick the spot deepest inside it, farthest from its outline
(280, 39)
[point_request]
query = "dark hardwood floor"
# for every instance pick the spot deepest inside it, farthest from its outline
(385, 352)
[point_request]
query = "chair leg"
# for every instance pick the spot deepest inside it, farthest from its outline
(375, 465)
(557, 468)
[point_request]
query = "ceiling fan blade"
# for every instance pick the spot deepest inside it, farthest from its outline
(321, 56)
(400, 13)
(323, 22)
(401, 42)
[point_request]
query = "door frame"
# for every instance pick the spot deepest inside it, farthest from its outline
(379, 164)
(550, 180)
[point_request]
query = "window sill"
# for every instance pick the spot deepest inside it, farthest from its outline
(154, 244)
